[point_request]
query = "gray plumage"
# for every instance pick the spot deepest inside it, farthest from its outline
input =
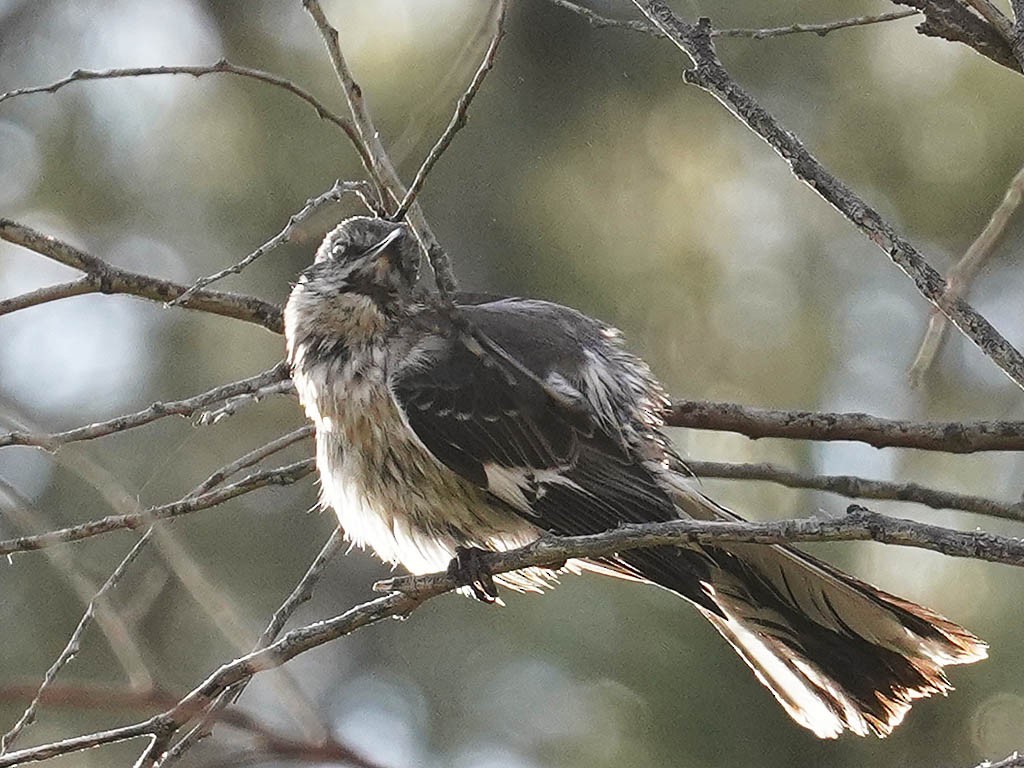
(488, 423)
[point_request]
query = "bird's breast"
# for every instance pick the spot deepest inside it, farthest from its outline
(387, 489)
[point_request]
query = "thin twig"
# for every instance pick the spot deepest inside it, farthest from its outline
(755, 423)
(74, 643)
(959, 278)
(110, 279)
(187, 407)
(97, 697)
(302, 592)
(409, 592)
(709, 74)
(598, 21)
(382, 171)
(458, 120)
(214, 599)
(252, 457)
(853, 487)
(285, 475)
(114, 629)
(48, 293)
(223, 66)
(220, 607)
(819, 29)
(233, 405)
(333, 195)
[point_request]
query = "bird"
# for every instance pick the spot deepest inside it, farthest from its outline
(452, 425)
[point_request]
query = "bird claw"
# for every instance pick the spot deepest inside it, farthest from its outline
(469, 568)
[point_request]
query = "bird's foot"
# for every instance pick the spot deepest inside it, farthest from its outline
(468, 567)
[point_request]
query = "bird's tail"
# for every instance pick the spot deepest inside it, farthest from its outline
(835, 651)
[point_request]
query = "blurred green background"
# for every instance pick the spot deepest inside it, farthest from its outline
(588, 174)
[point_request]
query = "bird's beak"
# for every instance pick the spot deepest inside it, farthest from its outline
(378, 250)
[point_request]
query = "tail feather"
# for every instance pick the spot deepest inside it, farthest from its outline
(835, 651)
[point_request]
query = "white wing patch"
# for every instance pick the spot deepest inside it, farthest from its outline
(520, 487)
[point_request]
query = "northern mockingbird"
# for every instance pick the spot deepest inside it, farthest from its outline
(484, 425)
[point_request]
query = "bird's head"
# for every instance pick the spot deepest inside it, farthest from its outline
(366, 256)
(364, 273)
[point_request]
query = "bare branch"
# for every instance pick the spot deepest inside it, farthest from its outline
(695, 41)
(458, 120)
(382, 171)
(858, 524)
(598, 21)
(187, 407)
(74, 643)
(79, 743)
(285, 475)
(951, 20)
(755, 423)
(253, 457)
(233, 405)
(110, 279)
(819, 29)
(854, 487)
(993, 16)
(302, 592)
(93, 697)
(223, 66)
(1017, 37)
(959, 278)
(219, 605)
(406, 593)
(49, 293)
(110, 623)
(333, 195)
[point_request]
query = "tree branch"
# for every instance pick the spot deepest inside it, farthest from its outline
(92, 697)
(993, 16)
(756, 423)
(959, 278)
(406, 593)
(950, 20)
(300, 594)
(1017, 37)
(853, 487)
(234, 404)
(333, 195)
(73, 645)
(187, 407)
(285, 475)
(708, 73)
(819, 29)
(48, 293)
(458, 120)
(251, 458)
(1013, 761)
(598, 21)
(223, 66)
(106, 278)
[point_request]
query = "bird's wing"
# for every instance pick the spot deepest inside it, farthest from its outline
(517, 419)
(511, 422)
